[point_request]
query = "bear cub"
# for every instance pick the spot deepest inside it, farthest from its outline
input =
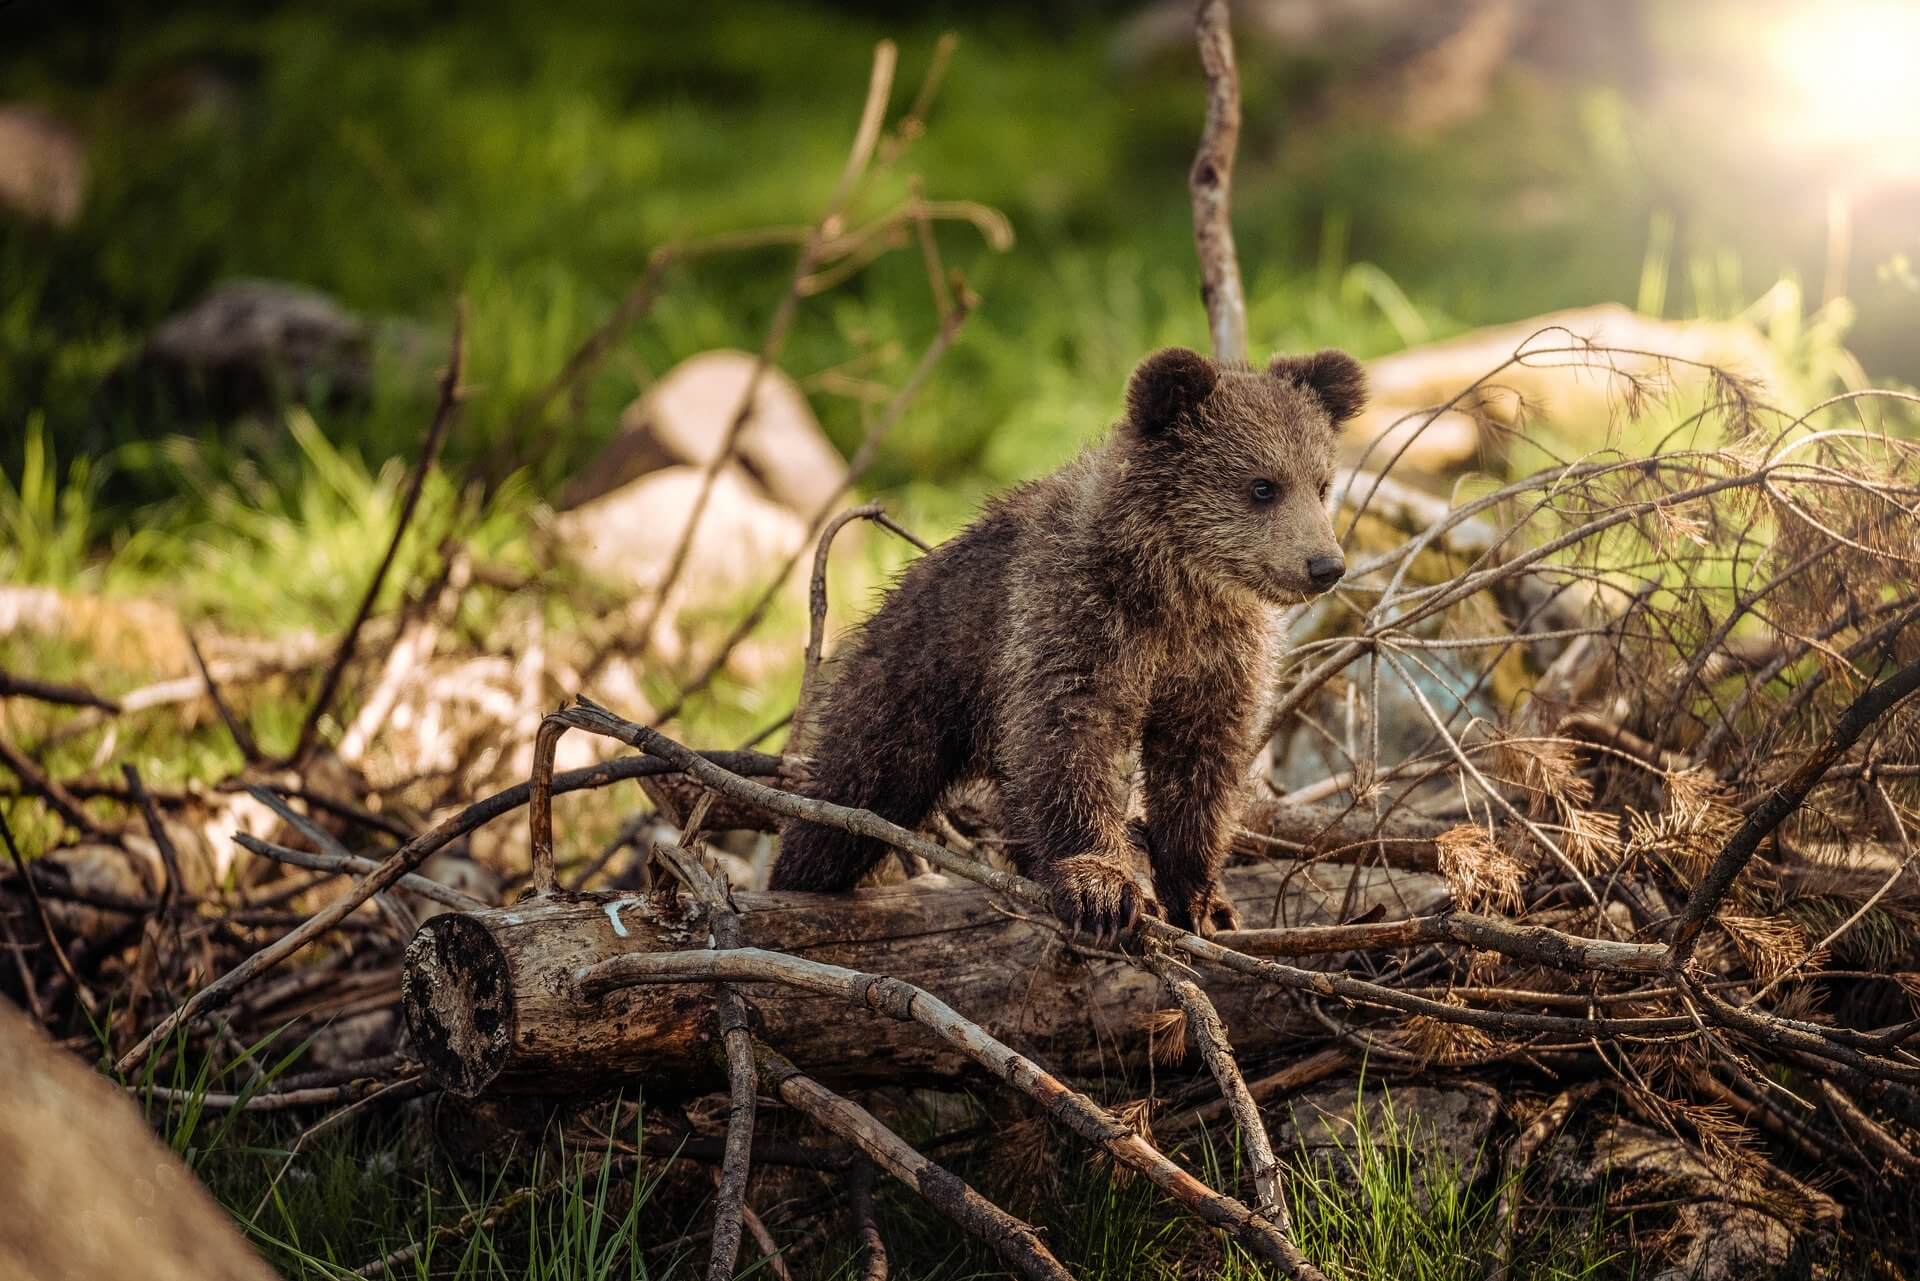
(1124, 603)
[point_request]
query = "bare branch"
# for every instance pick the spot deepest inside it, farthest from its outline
(1203, 1021)
(866, 136)
(437, 429)
(49, 692)
(1017, 1244)
(1210, 183)
(402, 861)
(57, 797)
(903, 1001)
(817, 604)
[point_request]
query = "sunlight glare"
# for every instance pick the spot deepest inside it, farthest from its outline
(1852, 78)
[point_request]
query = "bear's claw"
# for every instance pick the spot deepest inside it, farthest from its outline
(1209, 914)
(1098, 895)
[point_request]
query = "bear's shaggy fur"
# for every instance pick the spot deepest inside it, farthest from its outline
(1125, 602)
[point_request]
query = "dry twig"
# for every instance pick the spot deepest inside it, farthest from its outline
(1210, 183)
(437, 430)
(1017, 1244)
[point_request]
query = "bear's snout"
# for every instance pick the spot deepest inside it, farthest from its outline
(1324, 571)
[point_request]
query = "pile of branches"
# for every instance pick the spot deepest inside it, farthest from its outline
(1621, 770)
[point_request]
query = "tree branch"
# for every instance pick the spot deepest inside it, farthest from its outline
(1210, 184)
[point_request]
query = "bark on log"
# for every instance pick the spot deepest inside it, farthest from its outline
(1323, 829)
(490, 1001)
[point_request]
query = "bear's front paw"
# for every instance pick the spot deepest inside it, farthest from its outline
(1206, 915)
(1097, 894)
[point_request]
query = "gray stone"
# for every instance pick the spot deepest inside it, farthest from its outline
(1439, 1133)
(254, 346)
(1731, 1225)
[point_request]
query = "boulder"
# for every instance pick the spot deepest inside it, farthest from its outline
(685, 416)
(1731, 1221)
(91, 1193)
(628, 535)
(1404, 730)
(95, 868)
(1576, 392)
(254, 346)
(1399, 437)
(43, 166)
(1439, 1132)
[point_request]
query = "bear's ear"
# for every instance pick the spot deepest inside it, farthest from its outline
(1167, 384)
(1334, 376)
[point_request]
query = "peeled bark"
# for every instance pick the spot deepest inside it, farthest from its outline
(490, 998)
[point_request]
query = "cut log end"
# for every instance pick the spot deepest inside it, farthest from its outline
(457, 992)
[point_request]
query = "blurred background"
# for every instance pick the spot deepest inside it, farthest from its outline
(1410, 170)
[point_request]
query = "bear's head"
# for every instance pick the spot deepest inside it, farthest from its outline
(1239, 462)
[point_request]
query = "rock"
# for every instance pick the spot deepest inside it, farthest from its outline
(1398, 436)
(353, 1038)
(1729, 1226)
(1404, 728)
(455, 869)
(97, 868)
(1576, 393)
(43, 166)
(255, 346)
(628, 535)
(684, 418)
(1441, 1131)
(91, 1194)
(202, 838)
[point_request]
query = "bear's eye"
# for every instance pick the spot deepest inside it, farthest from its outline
(1265, 491)
(1326, 487)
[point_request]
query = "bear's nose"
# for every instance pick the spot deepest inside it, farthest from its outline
(1325, 571)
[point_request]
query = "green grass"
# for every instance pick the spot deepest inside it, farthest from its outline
(364, 1189)
(1390, 1204)
(530, 163)
(400, 158)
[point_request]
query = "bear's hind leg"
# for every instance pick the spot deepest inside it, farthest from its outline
(900, 779)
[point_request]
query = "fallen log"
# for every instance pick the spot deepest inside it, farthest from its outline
(492, 1002)
(1269, 825)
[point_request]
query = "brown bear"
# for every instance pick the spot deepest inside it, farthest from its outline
(1125, 602)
